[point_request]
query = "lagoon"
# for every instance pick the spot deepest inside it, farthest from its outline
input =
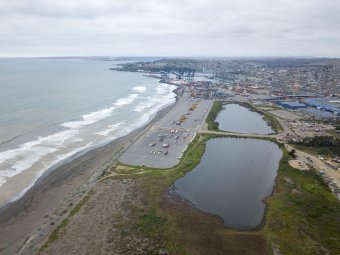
(233, 178)
(237, 118)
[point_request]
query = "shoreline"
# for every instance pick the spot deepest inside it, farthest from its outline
(49, 170)
(32, 155)
(69, 181)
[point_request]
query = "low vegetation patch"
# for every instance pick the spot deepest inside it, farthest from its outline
(320, 145)
(319, 150)
(211, 119)
(274, 123)
(153, 225)
(55, 233)
(303, 216)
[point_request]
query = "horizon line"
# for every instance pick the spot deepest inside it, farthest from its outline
(165, 56)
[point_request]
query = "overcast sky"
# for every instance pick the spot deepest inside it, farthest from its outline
(170, 28)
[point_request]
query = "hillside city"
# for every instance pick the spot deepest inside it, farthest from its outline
(303, 95)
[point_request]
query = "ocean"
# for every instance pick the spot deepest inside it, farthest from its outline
(52, 109)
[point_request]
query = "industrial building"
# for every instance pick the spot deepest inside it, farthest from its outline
(331, 104)
(292, 105)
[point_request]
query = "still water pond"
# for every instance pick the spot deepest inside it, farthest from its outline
(237, 118)
(232, 179)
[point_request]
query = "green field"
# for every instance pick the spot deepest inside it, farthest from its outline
(302, 216)
(216, 108)
(324, 150)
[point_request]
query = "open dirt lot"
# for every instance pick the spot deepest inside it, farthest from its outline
(298, 164)
(286, 115)
(94, 230)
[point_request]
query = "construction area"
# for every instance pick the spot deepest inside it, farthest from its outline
(305, 128)
(328, 170)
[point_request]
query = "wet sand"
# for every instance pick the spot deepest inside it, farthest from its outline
(25, 223)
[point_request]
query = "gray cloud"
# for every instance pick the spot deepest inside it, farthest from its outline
(172, 27)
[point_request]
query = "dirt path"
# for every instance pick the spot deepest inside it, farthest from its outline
(319, 165)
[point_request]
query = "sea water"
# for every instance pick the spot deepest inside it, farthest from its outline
(51, 109)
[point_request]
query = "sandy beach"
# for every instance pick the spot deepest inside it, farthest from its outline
(25, 223)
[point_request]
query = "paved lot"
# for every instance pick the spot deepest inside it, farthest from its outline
(163, 145)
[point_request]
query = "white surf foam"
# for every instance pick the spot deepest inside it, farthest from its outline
(76, 140)
(126, 100)
(109, 129)
(139, 89)
(162, 89)
(89, 118)
(15, 161)
(57, 139)
(31, 158)
(41, 172)
(51, 149)
(69, 154)
(9, 154)
(28, 153)
(94, 117)
(162, 97)
(28, 159)
(142, 106)
(152, 106)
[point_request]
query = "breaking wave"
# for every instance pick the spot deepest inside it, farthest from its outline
(139, 89)
(89, 130)
(94, 117)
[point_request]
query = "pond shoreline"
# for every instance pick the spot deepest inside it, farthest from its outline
(242, 178)
(235, 117)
